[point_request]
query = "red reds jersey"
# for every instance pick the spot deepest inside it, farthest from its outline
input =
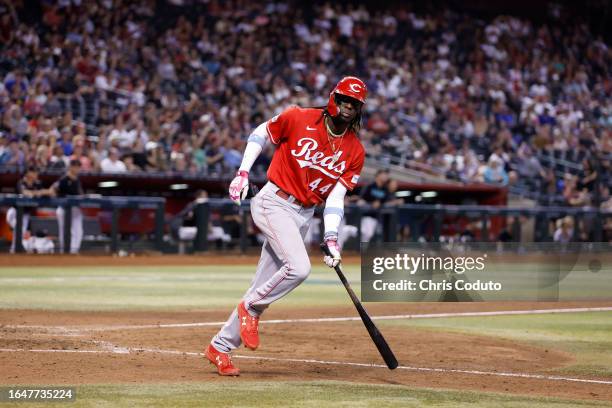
(304, 164)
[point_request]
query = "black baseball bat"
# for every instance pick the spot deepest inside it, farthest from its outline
(375, 334)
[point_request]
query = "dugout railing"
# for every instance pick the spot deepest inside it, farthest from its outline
(114, 204)
(410, 222)
(427, 222)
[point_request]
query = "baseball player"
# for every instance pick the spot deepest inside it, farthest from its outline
(70, 185)
(318, 157)
(28, 186)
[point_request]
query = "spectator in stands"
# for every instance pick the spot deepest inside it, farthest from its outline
(574, 196)
(179, 163)
(130, 167)
(469, 173)
(606, 198)
(7, 27)
(214, 156)
(41, 157)
(606, 205)
(80, 153)
(565, 230)
(66, 141)
(156, 158)
(446, 84)
(588, 179)
(494, 172)
(528, 165)
(137, 155)
(112, 164)
(58, 160)
(69, 185)
(3, 143)
(232, 156)
(125, 137)
(14, 155)
(453, 172)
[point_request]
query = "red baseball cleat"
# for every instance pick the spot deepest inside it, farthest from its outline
(223, 361)
(249, 331)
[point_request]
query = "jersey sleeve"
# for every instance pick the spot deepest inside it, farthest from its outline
(351, 176)
(278, 126)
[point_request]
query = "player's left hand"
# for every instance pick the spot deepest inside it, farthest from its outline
(334, 249)
(239, 187)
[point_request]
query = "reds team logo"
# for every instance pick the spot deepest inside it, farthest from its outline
(356, 88)
(308, 156)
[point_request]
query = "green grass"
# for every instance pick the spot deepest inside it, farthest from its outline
(152, 288)
(304, 395)
(587, 336)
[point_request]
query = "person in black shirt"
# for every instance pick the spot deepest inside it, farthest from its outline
(375, 194)
(588, 177)
(31, 186)
(69, 185)
(28, 186)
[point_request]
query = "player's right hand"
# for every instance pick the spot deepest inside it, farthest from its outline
(334, 249)
(239, 187)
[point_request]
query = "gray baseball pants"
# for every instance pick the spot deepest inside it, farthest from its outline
(283, 264)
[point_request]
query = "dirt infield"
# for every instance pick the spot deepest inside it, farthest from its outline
(84, 347)
(43, 347)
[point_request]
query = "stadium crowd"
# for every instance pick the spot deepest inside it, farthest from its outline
(134, 86)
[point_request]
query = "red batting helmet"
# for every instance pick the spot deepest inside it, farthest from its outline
(350, 86)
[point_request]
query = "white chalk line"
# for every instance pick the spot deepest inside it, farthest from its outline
(79, 329)
(111, 349)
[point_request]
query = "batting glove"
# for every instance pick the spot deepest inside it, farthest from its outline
(239, 187)
(334, 250)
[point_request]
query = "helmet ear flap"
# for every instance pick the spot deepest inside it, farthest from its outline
(332, 107)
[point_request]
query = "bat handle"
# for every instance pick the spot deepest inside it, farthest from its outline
(325, 249)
